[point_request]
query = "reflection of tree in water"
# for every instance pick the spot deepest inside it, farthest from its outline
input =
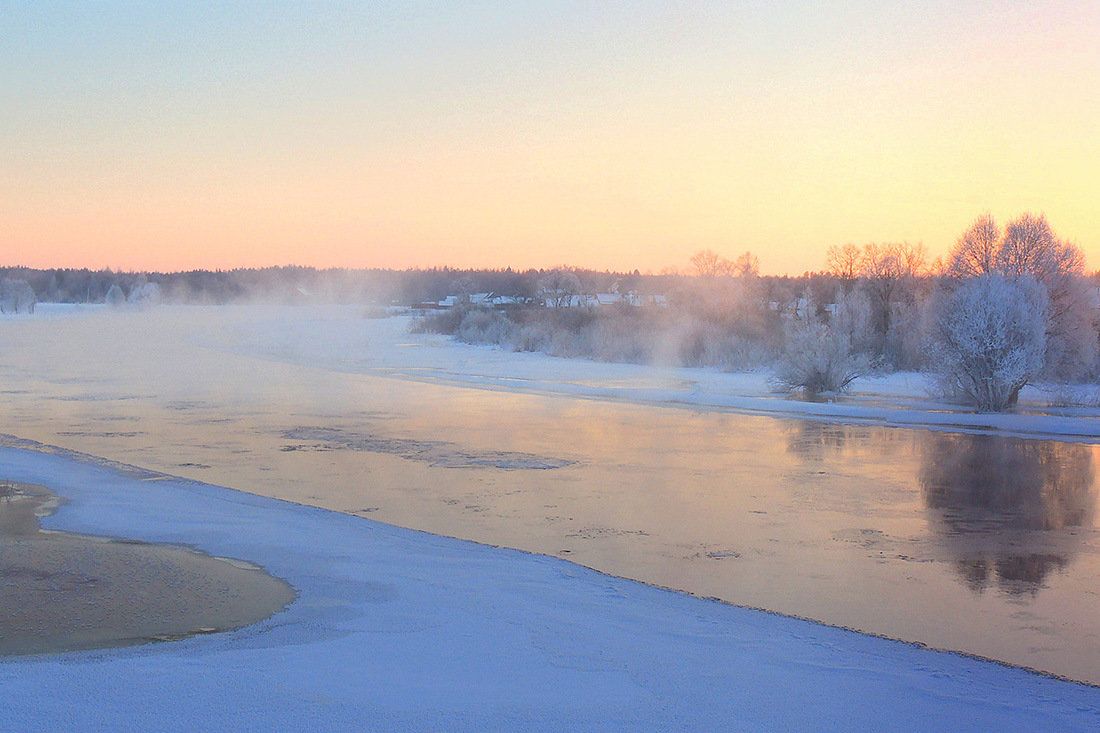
(813, 439)
(816, 440)
(999, 502)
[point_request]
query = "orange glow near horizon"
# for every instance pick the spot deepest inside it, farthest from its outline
(605, 139)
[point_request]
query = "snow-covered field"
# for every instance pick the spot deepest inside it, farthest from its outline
(397, 629)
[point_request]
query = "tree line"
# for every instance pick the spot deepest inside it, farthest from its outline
(1007, 307)
(292, 284)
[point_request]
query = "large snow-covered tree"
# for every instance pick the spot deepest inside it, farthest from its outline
(1028, 247)
(990, 339)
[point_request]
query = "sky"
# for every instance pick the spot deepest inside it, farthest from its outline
(609, 135)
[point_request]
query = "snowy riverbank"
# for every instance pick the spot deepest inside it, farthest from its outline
(400, 630)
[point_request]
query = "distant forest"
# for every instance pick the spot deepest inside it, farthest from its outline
(292, 285)
(288, 285)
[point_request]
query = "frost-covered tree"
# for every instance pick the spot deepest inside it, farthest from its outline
(16, 296)
(1028, 247)
(114, 296)
(144, 295)
(989, 339)
(559, 288)
(853, 317)
(817, 357)
(904, 342)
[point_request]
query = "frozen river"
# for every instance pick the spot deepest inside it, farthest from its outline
(981, 543)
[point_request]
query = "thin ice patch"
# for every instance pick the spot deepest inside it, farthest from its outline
(434, 452)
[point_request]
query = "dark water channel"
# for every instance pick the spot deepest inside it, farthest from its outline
(972, 542)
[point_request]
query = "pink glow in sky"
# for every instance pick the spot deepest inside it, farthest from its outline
(605, 135)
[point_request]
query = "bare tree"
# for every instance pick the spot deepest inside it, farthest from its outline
(1029, 247)
(894, 261)
(746, 265)
(844, 262)
(888, 273)
(708, 263)
(881, 270)
(914, 259)
(976, 252)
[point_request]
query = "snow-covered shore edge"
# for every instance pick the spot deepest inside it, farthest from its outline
(399, 629)
(339, 338)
